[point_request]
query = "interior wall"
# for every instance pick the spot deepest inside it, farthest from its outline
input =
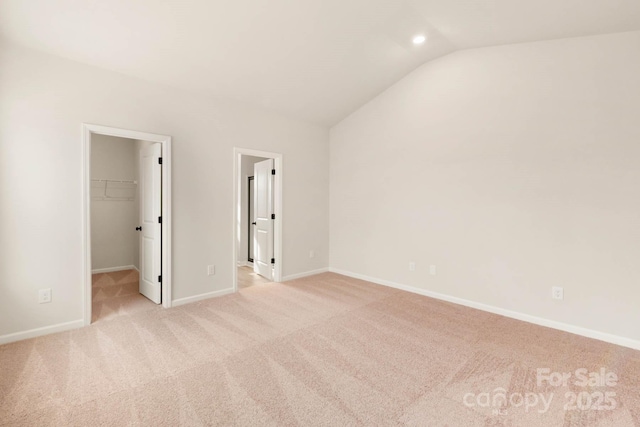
(43, 102)
(512, 169)
(246, 170)
(114, 241)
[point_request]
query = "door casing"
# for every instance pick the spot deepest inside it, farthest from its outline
(277, 208)
(87, 131)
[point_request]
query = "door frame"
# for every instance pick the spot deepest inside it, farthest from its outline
(165, 142)
(277, 208)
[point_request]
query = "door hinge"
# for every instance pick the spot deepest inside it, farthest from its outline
(159, 160)
(160, 219)
(273, 260)
(160, 279)
(273, 171)
(273, 216)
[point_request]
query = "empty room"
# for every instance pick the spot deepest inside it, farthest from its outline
(320, 212)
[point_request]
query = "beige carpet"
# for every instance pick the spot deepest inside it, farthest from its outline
(117, 293)
(325, 350)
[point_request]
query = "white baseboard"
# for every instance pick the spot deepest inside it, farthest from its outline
(188, 300)
(589, 333)
(243, 263)
(305, 274)
(46, 330)
(112, 269)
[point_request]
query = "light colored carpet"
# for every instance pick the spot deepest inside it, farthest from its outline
(117, 293)
(325, 350)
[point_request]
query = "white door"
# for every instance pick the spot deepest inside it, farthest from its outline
(150, 213)
(263, 222)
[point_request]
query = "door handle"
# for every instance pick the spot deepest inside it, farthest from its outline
(139, 228)
(253, 223)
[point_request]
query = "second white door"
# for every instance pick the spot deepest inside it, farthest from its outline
(150, 217)
(263, 220)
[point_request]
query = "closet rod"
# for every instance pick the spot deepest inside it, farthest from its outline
(114, 180)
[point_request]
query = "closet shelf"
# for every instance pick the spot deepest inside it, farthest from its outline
(113, 190)
(115, 180)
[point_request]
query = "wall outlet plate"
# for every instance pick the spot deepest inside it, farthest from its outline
(412, 266)
(432, 270)
(44, 296)
(211, 270)
(557, 293)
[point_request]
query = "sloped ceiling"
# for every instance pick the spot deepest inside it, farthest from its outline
(316, 60)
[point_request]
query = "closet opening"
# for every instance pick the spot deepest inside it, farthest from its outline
(127, 218)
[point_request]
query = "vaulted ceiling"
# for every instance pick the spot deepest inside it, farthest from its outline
(317, 60)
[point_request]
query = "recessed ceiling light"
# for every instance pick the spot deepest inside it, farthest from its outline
(419, 39)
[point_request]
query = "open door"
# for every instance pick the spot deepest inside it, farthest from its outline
(250, 218)
(150, 220)
(263, 220)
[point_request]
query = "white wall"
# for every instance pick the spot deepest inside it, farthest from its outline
(512, 169)
(246, 170)
(43, 102)
(114, 240)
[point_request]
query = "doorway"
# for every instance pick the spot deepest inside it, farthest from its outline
(127, 221)
(258, 220)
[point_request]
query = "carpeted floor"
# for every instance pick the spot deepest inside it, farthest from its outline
(117, 293)
(325, 350)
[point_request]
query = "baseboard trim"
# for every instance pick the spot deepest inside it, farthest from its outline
(305, 274)
(242, 263)
(38, 332)
(200, 297)
(112, 269)
(585, 332)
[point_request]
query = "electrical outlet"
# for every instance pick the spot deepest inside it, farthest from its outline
(312, 254)
(557, 292)
(44, 296)
(412, 266)
(211, 270)
(432, 270)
